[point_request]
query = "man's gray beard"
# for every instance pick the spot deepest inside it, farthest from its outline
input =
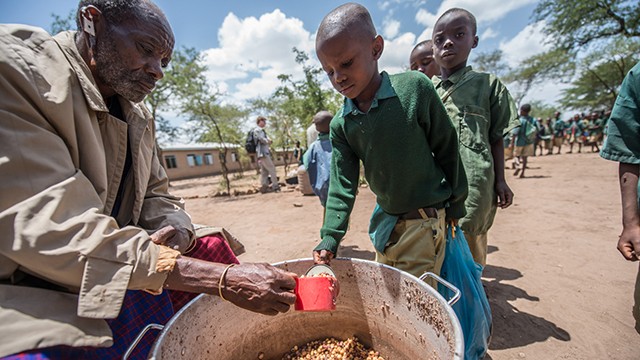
(111, 72)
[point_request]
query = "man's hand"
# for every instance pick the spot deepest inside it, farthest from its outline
(261, 288)
(177, 239)
(323, 257)
(629, 243)
(505, 195)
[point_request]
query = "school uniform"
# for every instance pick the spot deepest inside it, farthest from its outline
(622, 143)
(409, 150)
(483, 112)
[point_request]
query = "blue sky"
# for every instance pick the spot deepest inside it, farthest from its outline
(247, 44)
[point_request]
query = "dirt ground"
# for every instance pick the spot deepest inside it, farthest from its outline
(558, 287)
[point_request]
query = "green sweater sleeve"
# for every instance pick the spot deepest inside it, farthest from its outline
(343, 184)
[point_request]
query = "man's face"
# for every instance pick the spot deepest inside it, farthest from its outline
(421, 59)
(130, 56)
(351, 64)
(453, 39)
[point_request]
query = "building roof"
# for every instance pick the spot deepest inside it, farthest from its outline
(196, 146)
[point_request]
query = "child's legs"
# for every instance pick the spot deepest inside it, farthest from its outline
(478, 246)
(417, 246)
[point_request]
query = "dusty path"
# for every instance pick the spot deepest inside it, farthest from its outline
(558, 288)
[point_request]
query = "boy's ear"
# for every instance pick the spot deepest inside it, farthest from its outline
(475, 41)
(378, 47)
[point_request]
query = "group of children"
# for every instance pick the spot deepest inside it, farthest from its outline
(431, 146)
(430, 141)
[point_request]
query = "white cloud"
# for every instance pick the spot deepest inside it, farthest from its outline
(489, 34)
(486, 12)
(390, 28)
(528, 42)
(253, 51)
(395, 57)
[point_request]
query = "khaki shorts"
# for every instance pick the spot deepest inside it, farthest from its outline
(508, 153)
(416, 246)
(558, 141)
(478, 247)
(526, 150)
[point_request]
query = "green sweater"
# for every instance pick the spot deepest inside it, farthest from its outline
(409, 149)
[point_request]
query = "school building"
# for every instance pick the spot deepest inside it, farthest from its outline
(184, 161)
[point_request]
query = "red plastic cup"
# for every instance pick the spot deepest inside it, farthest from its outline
(316, 293)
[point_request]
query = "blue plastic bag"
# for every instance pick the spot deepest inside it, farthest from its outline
(472, 309)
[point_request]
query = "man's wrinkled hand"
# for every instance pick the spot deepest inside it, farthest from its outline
(175, 238)
(260, 288)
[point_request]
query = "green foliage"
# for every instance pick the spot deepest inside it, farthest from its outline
(542, 110)
(62, 23)
(183, 76)
(492, 63)
(596, 86)
(573, 24)
(293, 104)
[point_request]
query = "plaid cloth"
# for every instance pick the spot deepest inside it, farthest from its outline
(139, 309)
(212, 248)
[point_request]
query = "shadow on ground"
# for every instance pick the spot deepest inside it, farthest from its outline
(513, 328)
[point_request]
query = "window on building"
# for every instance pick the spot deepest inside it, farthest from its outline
(234, 157)
(191, 160)
(208, 159)
(170, 161)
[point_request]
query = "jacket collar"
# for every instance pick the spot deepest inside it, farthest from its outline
(385, 91)
(454, 78)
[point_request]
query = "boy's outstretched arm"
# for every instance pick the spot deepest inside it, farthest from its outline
(503, 191)
(629, 242)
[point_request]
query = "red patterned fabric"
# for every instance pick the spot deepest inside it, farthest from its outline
(212, 248)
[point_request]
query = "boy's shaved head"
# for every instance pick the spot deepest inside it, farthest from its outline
(322, 120)
(469, 15)
(352, 17)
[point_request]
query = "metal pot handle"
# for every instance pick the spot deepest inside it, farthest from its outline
(456, 292)
(139, 337)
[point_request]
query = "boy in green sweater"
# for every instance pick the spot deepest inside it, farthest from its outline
(482, 111)
(396, 125)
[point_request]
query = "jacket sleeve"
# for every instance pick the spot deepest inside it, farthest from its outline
(50, 213)
(160, 208)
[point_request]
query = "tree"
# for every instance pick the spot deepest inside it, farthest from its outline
(491, 62)
(578, 30)
(178, 78)
(294, 103)
(574, 24)
(600, 76)
(61, 23)
(537, 69)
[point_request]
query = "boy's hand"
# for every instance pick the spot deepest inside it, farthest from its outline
(323, 257)
(629, 243)
(451, 221)
(505, 195)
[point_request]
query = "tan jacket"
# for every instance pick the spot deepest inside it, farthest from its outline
(61, 160)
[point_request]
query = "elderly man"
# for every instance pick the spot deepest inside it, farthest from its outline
(88, 227)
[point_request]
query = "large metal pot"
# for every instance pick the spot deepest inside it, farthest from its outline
(390, 310)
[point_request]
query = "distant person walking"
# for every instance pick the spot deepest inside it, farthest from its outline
(263, 152)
